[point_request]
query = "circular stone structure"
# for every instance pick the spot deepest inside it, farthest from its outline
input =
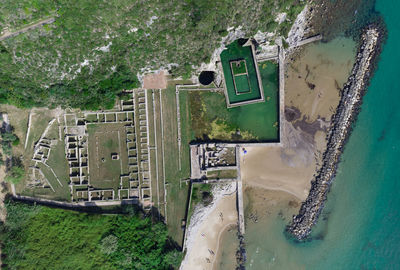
(206, 77)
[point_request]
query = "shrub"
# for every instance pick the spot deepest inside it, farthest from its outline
(206, 198)
(6, 148)
(15, 142)
(36, 237)
(15, 174)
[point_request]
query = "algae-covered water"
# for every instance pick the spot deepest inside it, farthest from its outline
(210, 118)
(360, 226)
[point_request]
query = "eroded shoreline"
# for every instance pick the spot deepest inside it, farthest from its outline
(346, 113)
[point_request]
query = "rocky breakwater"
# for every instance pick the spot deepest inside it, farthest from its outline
(369, 48)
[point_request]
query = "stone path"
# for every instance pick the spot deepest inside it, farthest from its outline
(3, 211)
(27, 28)
(307, 40)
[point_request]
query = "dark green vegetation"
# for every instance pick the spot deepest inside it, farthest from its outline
(201, 193)
(240, 87)
(239, 67)
(95, 48)
(242, 84)
(18, 14)
(15, 174)
(8, 139)
(210, 119)
(37, 237)
(15, 169)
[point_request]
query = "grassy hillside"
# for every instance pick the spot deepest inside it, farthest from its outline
(95, 48)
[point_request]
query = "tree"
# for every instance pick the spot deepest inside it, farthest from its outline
(15, 142)
(15, 174)
(35, 237)
(6, 148)
(8, 137)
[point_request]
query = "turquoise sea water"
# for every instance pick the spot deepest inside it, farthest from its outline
(360, 228)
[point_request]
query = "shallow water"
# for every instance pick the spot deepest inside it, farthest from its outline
(324, 65)
(359, 228)
(226, 257)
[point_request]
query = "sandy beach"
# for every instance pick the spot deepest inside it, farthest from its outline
(314, 77)
(265, 168)
(226, 255)
(277, 178)
(205, 232)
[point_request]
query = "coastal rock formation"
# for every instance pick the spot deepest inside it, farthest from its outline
(345, 115)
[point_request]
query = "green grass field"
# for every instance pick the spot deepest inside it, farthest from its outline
(40, 120)
(240, 88)
(160, 144)
(238, 67)
(58, 162)
(222, 174)
(177, 194)
(156, 155)
(61, 193)
(104, 140)
(152, 152)
(242, 85)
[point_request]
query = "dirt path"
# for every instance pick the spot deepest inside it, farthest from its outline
(156, 80)
(3, 211)
(27, 28)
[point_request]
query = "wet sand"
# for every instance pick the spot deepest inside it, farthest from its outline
(229, 243)
(314, 76)
(206, 242)
(268, 211)
(277, 179)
